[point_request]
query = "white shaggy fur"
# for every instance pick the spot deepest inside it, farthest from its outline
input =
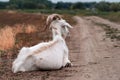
(63, 25)
(52, 17)
(59, 21)
(47, 55)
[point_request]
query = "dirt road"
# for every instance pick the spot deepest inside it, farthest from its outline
(94, 56)
(97, 58)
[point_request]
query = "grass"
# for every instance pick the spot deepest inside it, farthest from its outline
(48, 11)
(112, 16)
(8, 35)
(6, 38)
(1, 53)
(112, 33)
(62, 11)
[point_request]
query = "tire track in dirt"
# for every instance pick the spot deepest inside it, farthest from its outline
(87, 46)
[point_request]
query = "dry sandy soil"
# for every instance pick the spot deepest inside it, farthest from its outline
(94, 56)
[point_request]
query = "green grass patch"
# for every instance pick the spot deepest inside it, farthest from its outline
(48, 11)
(112, 16)
(67, 14)
(1, 53)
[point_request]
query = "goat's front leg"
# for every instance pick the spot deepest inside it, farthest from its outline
(66, 61)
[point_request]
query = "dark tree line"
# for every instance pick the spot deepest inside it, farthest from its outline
(106, 6)
(47, 4)
(29, 4)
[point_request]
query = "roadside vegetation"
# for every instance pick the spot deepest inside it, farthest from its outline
(110, 32)
(112, 16)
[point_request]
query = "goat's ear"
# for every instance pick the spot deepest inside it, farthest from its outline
(68, 25)
(64, 23)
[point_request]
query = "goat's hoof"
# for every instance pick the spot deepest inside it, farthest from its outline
(68, 65)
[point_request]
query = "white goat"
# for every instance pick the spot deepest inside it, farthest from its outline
(47, 55)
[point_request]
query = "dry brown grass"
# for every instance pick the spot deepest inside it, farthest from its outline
(18, 28)
(23, 28)
(11, 11)
(8, 33)
(30, 29)
(7, 38)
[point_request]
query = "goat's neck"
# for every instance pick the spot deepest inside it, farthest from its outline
(59, 38)
(56, 33)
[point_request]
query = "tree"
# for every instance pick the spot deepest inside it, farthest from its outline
(78, 5)
(62, 5)
(115, 7)
(89, 4)
(3, 5)
(31, 4)
(103, 6)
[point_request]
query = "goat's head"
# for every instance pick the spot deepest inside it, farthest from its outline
(51, 18)
(60, 27)
(65, 28)
(56, 22)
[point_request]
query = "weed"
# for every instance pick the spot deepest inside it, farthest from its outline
(8, 34)
(112, 33)
(1, 53)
